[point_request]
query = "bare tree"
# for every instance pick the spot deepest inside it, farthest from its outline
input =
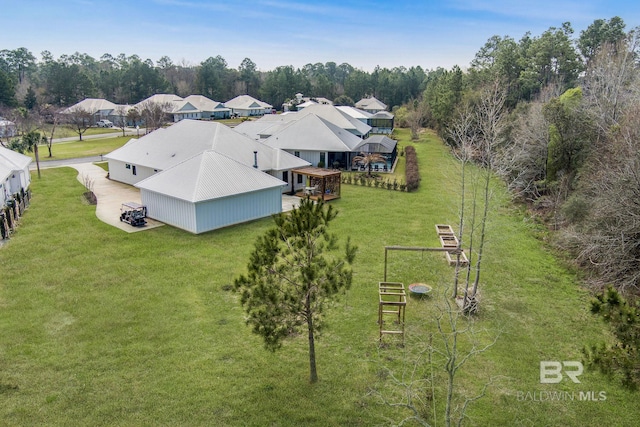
(606, 234)
(431, 374)
(120, 117)
(477, 133)
(522, 162)
(611, 82)
(51, 115)
(416, 117)
(154, 114)
(79, 119)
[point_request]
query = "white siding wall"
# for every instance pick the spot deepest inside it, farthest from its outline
(312, 157)
(237, 209)
(19, 180)
(118, 172)
(175, 212)
(4, 192)
(212, 214)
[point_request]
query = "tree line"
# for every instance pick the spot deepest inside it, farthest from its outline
(562, 128)
(28, 82)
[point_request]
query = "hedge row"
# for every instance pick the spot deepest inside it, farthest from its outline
(412, 174)
(373, 181)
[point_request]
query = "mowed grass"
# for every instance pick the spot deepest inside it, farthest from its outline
(64, 131)
(84, 148)
(101, 327)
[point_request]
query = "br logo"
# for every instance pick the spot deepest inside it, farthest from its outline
(551, 372)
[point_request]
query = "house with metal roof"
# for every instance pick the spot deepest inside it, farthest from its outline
(201, 175)
(316, 140)
(200, 107)
(98, 108)
(7, 128)
(169, 100)
(381, 122)
(15, 177)
(141, 158)
(371, 105)
(208, 191)
(272, 124)
(246, 106)
(300, 102)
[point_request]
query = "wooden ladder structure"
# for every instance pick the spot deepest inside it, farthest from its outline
(391, 308)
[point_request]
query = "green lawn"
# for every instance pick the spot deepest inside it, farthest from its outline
(63, 131)
(84, 148)
(101, 327)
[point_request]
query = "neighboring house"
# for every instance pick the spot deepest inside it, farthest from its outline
(300, 102)
(199, 175)
(338, 118)
(247, 106)
(272, 124)
(317, 141)
(99, 108)
(356, 113)
(371, 105)
(304, 105)
(15, 177)
(7, 128)
(200, 107)
(381, 122)
(170, 100)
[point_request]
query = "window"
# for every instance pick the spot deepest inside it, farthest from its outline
(296, 153)
(299, 179)
(285, 176)
(127, 166)
(133, 170)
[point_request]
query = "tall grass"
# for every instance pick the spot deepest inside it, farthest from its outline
(101, 327)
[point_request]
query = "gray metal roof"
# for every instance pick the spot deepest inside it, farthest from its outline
(92, 105)
(246, 102)
(377, 144)
(371, 103)
(199, 103)
(354, 112)
(206, 176)
(12, 161)
(313, 133)
(166, 147)
(272, 124)
(337, 117)
(160, 98)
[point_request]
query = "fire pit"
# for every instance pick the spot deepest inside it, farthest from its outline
(420, 289)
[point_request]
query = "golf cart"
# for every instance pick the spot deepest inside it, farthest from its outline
(133, 213)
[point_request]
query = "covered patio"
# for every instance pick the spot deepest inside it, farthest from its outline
(321, 183)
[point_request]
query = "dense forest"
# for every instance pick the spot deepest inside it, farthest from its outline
(127, 80)
(567, 132)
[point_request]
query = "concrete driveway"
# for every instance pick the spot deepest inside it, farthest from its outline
(111, 195)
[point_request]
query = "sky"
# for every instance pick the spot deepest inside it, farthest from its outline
(363, 33)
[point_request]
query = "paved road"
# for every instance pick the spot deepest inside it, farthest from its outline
(66, 162)
(59, 163)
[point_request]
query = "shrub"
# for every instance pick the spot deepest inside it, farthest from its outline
(412, 174)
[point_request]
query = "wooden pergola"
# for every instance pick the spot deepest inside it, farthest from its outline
(321, 183)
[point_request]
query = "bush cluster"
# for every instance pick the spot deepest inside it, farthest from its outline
(412, 174)
(374, 181)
